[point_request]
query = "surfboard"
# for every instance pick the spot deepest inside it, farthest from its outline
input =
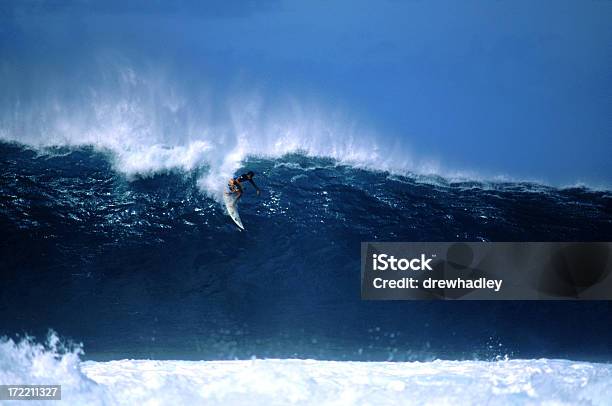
(232, 210)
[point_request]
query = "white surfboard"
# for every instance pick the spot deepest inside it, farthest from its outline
(232, 210)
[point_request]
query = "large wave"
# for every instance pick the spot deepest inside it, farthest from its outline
(161, 268)
(151, 123)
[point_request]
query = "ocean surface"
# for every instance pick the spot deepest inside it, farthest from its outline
(144, 264)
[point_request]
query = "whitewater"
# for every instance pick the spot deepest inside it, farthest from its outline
(295, 381)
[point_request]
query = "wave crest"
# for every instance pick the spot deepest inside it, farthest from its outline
(151, 123)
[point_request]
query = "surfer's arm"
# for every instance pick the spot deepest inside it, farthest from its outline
(255, 186)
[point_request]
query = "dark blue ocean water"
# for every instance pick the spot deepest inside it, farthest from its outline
(153, 268)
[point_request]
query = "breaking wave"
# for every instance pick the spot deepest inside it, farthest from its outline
(161, 269)
(151, 125)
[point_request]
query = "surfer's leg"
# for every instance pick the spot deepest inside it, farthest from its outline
(238, 190)
(233, 187)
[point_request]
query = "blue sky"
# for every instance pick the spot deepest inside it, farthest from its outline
(516, 88)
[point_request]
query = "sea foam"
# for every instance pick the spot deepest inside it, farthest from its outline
(291, 381)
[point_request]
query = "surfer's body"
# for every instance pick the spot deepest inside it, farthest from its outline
(235, 188)
(235, 184)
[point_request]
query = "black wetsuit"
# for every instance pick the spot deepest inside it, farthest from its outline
(243, 177)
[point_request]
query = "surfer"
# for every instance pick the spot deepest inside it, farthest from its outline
(235, 186)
